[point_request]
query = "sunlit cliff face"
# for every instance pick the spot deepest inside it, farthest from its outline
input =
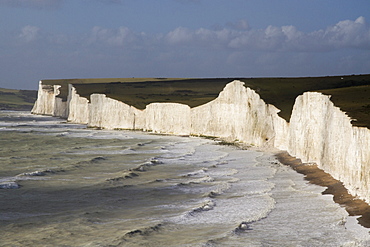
(318, 131)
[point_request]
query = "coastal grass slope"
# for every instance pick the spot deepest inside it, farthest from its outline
(17, 99)
(355, 101)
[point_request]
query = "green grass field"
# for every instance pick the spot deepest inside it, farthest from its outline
(17, 99)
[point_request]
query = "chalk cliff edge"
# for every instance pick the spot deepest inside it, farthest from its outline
(318, 131)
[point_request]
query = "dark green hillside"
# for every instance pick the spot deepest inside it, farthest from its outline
(193, 92)
(20, 100)
(350, 93)
(355, 101)
(64, 82)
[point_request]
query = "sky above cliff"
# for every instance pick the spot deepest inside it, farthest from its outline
(50, 39)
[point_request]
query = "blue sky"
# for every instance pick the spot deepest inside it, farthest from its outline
(45, 39)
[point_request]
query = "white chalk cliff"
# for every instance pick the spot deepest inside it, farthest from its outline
(108, 113)
(48, 103)
(238, 113)
(318, 132)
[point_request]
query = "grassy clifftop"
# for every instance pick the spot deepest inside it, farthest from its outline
(350, 93)
(64, 82)
(17, 99)
(193, 92)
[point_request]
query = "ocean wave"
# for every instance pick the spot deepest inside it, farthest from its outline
(9, 185)
(142, 144)
(122, 176)
(231, 212)
(101, 151)
(219, 189)
(243, 227)
(196, 173)
(206, 179)
(152, 162)
(205, 206)
(139, 232)
(253, 187)
(36, 173)
(97, 159)
(222, 172)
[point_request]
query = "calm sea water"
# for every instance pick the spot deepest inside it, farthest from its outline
(65, 185)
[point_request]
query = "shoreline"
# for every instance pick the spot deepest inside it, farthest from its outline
(317, 176)
(311, 172)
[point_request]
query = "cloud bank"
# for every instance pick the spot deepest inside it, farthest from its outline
(345, 34)
(29, 33)
(232, 50)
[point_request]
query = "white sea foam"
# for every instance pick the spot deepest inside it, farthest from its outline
(9, 185)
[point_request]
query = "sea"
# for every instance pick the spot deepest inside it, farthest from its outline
(64, 184)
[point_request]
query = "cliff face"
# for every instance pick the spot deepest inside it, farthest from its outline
(237, 114)
(45, 100)
(60, 106)
(112, 114)
(169, 118)
(322, 133)
(318, 131)
(78, 107)
(48, 103)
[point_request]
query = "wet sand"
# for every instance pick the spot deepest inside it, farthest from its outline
(315, 175)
